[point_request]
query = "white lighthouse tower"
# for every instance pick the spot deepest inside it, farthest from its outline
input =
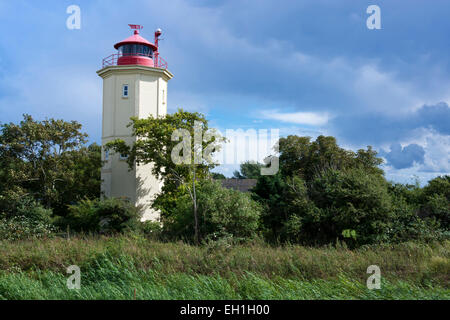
(134, 85)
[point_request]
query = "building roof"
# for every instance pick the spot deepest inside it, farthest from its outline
(135, 39)
(243, 185)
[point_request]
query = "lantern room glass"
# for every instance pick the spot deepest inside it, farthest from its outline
(135, 49)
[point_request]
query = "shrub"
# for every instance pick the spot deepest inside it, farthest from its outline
(437, 207)
(223, 213)
(105, 216)
(351, 199)
(337, 204)
(21, 227)
(28, 207)
(436, 201)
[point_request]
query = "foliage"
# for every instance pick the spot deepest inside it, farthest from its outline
(299, 156)
(248, 170)
(217, 176)
(106, 216)
(29, 208)
(324, 193)
(21, 227)
(175, 163)
(48, 161)
(351, 199)
(271, 192)
(436, 201)
(155, 142)
(222, 212)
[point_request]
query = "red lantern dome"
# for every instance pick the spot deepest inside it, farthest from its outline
(136, 50)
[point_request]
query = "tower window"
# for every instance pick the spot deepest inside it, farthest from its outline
(125, 91)
(107, 155)
(123, 156)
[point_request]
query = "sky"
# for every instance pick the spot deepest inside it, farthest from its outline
(302, 67)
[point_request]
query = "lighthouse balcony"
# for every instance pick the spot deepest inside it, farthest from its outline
(145, 59)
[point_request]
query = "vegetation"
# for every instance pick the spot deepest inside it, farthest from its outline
(178, 164)
(248, 170)
(223, 214)
(111, 268)
(324, 193)
(106, 216)
(309, 231)
(49, 162)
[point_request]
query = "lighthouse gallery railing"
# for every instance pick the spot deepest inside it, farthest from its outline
(111, 60)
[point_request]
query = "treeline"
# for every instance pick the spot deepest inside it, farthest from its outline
(50, 183)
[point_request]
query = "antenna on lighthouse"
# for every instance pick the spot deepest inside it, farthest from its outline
(158, 32)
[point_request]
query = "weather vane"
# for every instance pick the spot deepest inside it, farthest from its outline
(136, 26)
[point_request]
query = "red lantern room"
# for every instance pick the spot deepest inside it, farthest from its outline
(135, 50)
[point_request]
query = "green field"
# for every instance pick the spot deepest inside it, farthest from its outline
(122, 267)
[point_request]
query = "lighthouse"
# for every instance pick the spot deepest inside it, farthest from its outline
(134, 85)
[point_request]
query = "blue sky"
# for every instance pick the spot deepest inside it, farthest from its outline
(305, 67)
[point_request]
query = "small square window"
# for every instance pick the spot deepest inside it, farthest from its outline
(123, 156)
(125, 91)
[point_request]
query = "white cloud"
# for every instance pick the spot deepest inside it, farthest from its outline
(437, 154)
(305, 118)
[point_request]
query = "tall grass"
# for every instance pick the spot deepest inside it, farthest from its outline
(120, 280)
(113, 267)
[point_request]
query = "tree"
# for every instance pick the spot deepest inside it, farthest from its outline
(435, 200)
(271, 191)
(308, 159)
(157, 142)
(351, 199)
(223, 213)
(217, 176)
(248, 170)
(45, 160)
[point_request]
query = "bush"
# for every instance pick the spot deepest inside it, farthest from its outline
(271, 192)
(21, 227)
(29, 208)
(352, 205)
(223, 213)
(105, 216)
(436, 201)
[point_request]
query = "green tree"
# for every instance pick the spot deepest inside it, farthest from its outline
(435, 200)
(48, 161)
(223, 213)
(271, 192)
(217, 176)
(353, 199)
(158, 141)
(248, 170)
(308, 159)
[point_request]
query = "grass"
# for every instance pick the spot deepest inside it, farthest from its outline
(112, 268)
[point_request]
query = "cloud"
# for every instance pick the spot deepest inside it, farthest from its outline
(380, 128)
(305, 118)
(230, 61)
(401, 158)
(437, 156)
(434, 116)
